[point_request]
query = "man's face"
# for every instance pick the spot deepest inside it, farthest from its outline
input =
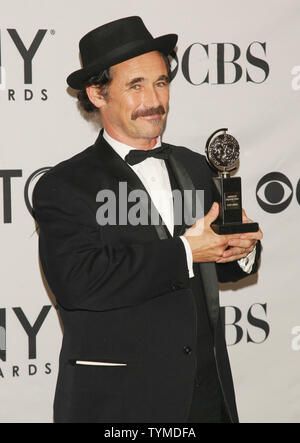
(138, 99)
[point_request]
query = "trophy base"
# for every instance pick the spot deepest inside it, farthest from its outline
(235, 228)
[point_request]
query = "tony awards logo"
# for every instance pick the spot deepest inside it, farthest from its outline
(222, 152)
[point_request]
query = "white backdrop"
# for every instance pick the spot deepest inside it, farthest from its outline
(257, 98)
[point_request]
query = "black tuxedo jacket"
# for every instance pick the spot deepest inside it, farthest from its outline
(124, 296)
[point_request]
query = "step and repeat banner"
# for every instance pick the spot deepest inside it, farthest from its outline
(237, 66)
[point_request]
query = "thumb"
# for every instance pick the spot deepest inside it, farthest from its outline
(212, 213)
(245, 219)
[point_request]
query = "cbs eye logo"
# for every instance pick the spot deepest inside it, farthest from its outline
(274, 192)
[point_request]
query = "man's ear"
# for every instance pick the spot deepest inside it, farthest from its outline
(95, 96)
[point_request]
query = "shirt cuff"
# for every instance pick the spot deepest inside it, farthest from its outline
(189, 255)
(246, 263)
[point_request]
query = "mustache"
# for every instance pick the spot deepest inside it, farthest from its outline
(146, 112)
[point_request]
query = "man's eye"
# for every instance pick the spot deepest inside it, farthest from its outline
(135, 87)
(160, 84)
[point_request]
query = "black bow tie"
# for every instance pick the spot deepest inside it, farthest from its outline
(138, 155)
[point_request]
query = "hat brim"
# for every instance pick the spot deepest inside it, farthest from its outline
(164, 44)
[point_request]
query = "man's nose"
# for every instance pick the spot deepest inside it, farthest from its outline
(151, 98)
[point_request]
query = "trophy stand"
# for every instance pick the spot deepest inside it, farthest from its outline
(222, 153)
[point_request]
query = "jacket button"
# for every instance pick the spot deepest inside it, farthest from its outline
(187, 350)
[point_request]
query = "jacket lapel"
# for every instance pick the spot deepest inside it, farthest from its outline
(207, 270)
(124, 173)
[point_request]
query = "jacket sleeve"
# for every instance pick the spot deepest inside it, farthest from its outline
(84, 272)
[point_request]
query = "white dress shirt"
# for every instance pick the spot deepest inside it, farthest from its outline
(154, 175)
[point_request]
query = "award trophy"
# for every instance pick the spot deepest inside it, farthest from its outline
(222, 152)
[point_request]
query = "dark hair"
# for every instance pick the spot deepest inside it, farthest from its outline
(103, 81)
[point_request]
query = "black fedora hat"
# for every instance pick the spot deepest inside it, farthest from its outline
(114, 43)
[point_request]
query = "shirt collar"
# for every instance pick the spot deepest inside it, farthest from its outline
(121, 148)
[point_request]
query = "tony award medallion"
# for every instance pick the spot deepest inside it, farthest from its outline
(222, 152)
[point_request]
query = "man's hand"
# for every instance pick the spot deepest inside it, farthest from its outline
(240, 248)
(207, 246)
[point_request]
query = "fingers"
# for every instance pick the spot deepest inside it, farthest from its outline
(230, 259)
(246, 244)
(251, 235)
(229, 237)
(258, 235)
(245, 219)
(239, 247)
(237, 251)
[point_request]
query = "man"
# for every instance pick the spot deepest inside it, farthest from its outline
(143, 339)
